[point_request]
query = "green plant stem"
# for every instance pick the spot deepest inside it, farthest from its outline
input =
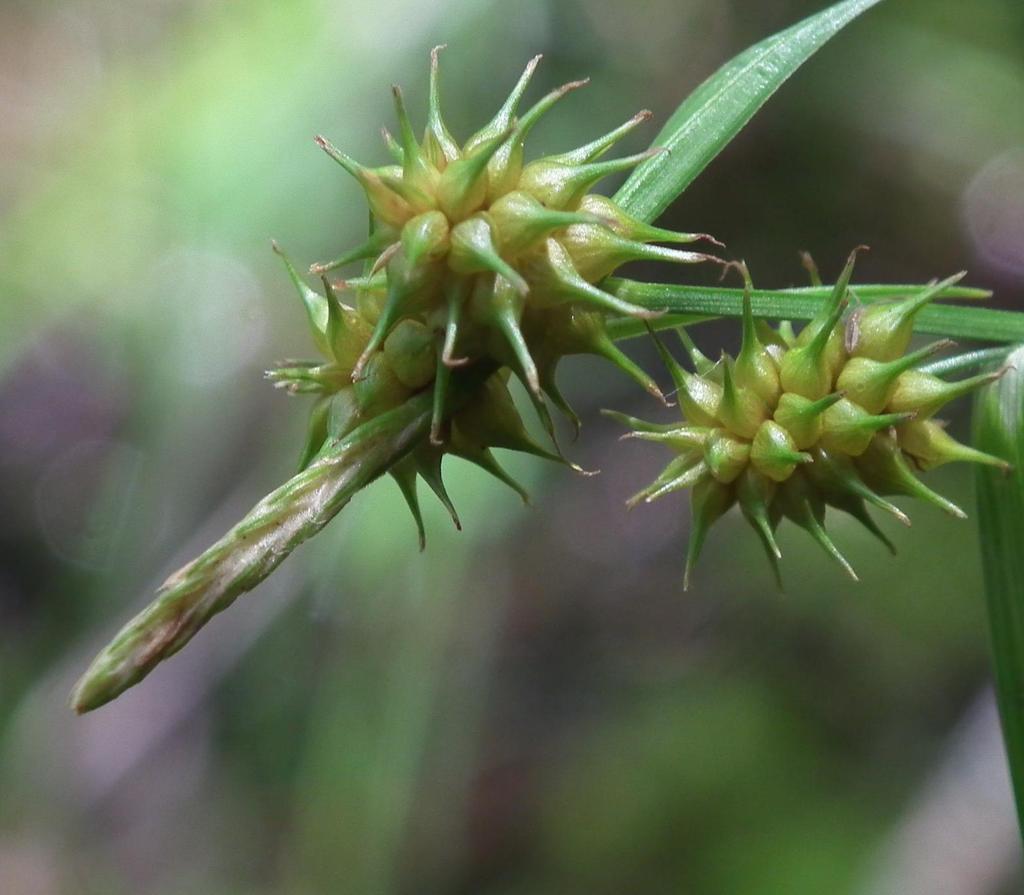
(958, 322)
(999, 429)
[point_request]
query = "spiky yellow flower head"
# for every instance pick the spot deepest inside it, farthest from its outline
(475, 256)
(837, 416)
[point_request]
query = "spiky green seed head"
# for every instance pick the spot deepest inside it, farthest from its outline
(475, 255)
(800, 423)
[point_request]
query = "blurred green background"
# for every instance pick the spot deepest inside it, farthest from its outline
(533, 705)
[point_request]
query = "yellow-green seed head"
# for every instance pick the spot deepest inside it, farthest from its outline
(801, 423)
(475, 256)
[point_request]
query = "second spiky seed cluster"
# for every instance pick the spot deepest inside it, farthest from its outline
(837, 416)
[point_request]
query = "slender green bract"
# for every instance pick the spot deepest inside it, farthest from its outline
(716, 111)
(999, 429)
(984, 324)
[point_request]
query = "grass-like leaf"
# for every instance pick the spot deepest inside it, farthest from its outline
(956, 322)
(716, 111)
(999, 430)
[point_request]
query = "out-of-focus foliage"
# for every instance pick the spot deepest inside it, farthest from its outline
(532, 705)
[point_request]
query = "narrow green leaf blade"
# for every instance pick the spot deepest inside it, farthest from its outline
(957, 322)
(716, 111)
(999, 429)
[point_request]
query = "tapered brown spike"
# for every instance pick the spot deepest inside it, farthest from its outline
(812, 269)
(428, 464)
(506, 308)
(804, 368)
(602, 346)
(379, 240)
(882, 331)
(406, 285)
(687, 479)
(632, 422)
(597, 251)
(753, 491)
(932, 446)
(563, 186)
(485, 459)
(385, 205)
(596, 148)
(837, 479)
(456, 294)
(755, 368)
(316, 431)
(506, 114)
(701, 362)
(404, 473)
(393, 146)
(554, 272)
(826, 315)
(507, 165)
(612, 216)
(314, 303)
(438, 144)
(676, 467)
(884, 468)
(493, 421)
(801, 505)
(549, 386)
(708, 503)
(381, 261)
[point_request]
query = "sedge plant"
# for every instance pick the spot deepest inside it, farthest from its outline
(482, 265)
